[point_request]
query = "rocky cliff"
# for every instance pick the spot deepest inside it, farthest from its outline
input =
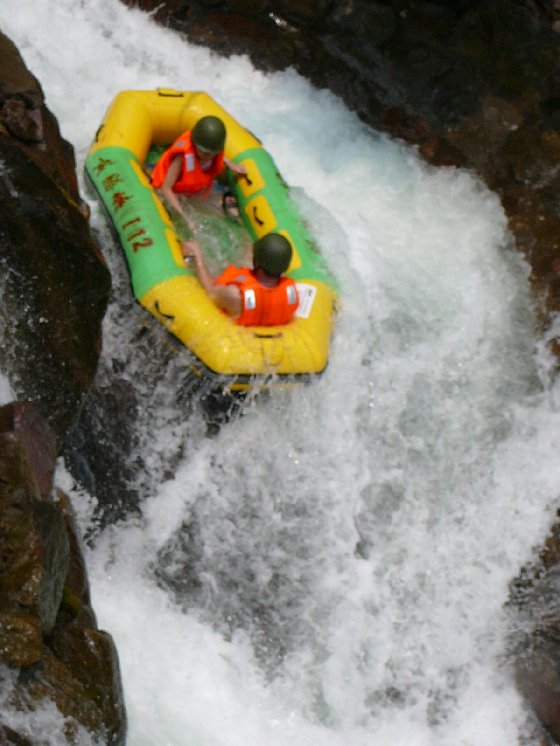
(54, 293)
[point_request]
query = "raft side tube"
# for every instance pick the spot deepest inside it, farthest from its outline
(266, 206)
(145, 231)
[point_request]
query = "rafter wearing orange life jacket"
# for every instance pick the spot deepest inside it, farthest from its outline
(192, 179)
(262, 306)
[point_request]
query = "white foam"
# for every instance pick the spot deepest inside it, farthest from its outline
(429, 443)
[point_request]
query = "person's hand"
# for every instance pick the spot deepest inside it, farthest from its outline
(239, 169)
(191, 248)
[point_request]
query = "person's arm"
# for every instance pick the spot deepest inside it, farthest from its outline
(227, 297)
(237, 168)
(173, 173)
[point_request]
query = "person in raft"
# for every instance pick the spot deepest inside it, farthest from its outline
(192, 163)
(260, 296)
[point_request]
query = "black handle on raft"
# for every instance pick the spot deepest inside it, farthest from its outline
(165, 315)
(169, 93)
(257, 219)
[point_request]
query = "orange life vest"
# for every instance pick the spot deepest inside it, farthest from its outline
(261, 306)
(192, 178)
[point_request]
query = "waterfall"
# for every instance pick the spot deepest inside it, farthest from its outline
(331, 568)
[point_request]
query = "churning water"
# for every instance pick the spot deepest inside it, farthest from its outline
(330, 569)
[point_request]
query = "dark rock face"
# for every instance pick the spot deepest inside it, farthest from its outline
(25, 118)
(89, 449)
(536, 662)
(55, 288)
(55, 283)
(48, 633)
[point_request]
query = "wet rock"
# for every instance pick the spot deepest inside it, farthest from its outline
(55, 282)
(48, 632)
(25, 117)
(537, 677)
(55, 290)
(35, 544)
(89, 449)
(537, 673)
(21, 122)
(51, 679)
(20, 638)
(34, 448)
(91, 657)
(8, 737)
(16, 81)
(535, 594)
(75, 606)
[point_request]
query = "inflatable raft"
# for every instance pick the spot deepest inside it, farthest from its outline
(237, 356)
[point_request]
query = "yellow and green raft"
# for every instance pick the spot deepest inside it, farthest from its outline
(238, 356)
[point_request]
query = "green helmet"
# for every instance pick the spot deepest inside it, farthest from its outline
(209, 134)
(273, 253)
